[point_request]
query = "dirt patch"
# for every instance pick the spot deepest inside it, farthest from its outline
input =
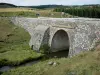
(98, 48)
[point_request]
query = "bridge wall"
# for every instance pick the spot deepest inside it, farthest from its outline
(83, 33)
(39, 37)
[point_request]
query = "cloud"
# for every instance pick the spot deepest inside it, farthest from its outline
(43, 2)
(78, 2)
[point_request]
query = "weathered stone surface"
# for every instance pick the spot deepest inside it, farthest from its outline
(82, 33)
(53, 63)
(39, 37)
(50, 63)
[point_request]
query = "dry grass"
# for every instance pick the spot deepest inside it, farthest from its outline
(29, 12)
(14, 9)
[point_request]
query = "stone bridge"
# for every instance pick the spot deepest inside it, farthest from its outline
(56, 34)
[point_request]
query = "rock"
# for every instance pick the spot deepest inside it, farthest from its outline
(50, 63)
(54, 64)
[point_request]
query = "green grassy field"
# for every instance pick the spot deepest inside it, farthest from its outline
(14, 48)
(86, 63)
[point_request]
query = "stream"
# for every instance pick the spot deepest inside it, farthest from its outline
(59, 54)
(7, 68)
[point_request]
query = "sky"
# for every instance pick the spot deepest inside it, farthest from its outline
(45, 2)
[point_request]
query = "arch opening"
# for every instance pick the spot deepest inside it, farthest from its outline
(60, 42)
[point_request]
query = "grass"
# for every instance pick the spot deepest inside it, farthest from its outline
(20, 14)
(28, 12)
(14, 48)
(17, 57)
(86, 63)
(14, 9)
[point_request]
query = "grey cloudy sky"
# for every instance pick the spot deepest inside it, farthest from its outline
(43, 2)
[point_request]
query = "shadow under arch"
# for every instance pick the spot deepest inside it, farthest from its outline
(60, 44)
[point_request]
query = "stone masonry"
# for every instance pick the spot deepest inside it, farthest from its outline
(73, 34)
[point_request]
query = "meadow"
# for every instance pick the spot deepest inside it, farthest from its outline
(86, 63)
(29, 12)
(14, 47)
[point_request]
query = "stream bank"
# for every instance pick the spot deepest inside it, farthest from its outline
(59, 54)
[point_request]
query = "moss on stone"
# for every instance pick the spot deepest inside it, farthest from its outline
(45, 48)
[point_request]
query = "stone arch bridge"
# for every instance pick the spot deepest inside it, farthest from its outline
(56, 34)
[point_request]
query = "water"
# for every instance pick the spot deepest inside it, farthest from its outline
(59, 54)
(7, 68)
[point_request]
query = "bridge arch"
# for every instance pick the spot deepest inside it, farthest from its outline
(60, 41)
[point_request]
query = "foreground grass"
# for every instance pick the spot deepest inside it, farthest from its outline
(17, 57)
(87, 63)
(14, 48)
